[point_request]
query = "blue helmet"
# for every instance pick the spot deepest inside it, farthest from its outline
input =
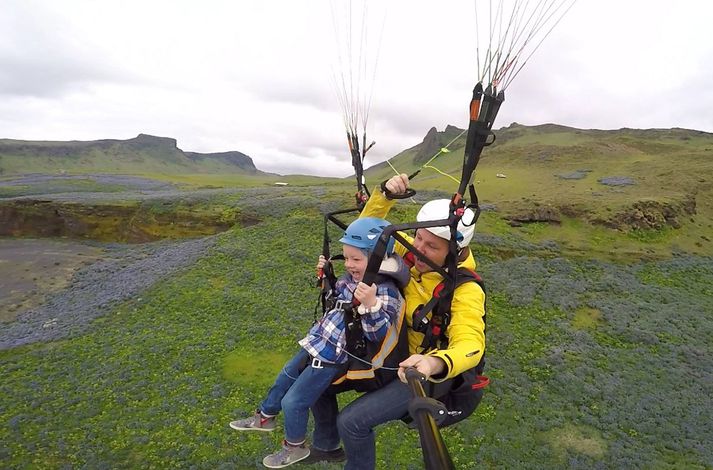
(364, 233)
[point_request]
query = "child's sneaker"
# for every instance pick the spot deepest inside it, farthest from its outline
(256, 422)
(288, 455)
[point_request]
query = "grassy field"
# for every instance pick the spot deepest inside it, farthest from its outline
(598, 348)
(595, 364)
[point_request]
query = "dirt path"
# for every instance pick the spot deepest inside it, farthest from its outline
(31, 270)
(54, 289)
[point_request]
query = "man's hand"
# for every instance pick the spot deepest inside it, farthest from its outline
(397, 184)
(366, 294)
(427, 365)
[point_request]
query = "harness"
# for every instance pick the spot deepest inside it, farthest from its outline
(369, 365)
(450, 392)
(355, 341)
(434, 328)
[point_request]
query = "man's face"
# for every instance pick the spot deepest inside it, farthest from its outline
(435, 248)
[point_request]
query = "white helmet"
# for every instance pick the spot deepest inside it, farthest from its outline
(440, 209)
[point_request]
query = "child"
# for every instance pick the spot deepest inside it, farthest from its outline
(308, 374)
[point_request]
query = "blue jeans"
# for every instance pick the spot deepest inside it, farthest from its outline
(355, 424)
(295, 391)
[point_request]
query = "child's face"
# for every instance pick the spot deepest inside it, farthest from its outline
(355, 262)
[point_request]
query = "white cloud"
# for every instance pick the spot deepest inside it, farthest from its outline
(257, 76)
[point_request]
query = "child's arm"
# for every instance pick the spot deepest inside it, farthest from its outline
(376, 320)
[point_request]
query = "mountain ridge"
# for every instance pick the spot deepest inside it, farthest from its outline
(142, 153)
(153, 154)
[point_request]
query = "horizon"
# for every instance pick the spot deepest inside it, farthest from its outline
(248, 80)
(436, 127)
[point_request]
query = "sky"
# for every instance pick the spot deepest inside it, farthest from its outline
(258, 76)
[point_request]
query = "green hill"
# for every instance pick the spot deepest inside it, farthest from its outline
(144, 154)
(626, 179)
(672, 160)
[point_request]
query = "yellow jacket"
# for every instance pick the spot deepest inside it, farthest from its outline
(466, 331)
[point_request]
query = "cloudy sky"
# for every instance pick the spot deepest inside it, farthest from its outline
(258, 75)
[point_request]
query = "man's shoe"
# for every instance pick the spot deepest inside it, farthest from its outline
(318, 455)
(288, 455)
(256, 422)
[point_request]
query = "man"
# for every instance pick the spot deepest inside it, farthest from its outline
(465, 332)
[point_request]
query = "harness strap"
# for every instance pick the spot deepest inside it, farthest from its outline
(328, 282)
(483, 382)
(354, 332)
(434, 330)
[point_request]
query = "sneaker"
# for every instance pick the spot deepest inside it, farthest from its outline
(256, 422)
(319, 455)
(288, 455)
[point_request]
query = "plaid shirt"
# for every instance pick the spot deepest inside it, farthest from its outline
(326, 339)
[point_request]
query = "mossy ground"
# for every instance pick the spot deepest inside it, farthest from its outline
(119, 221)
(594, 364)
(598, 340)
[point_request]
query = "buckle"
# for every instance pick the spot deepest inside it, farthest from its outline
(339, 305)
(316, 363)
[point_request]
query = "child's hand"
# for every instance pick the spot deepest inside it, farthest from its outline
(365, 294)
(321, 262)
